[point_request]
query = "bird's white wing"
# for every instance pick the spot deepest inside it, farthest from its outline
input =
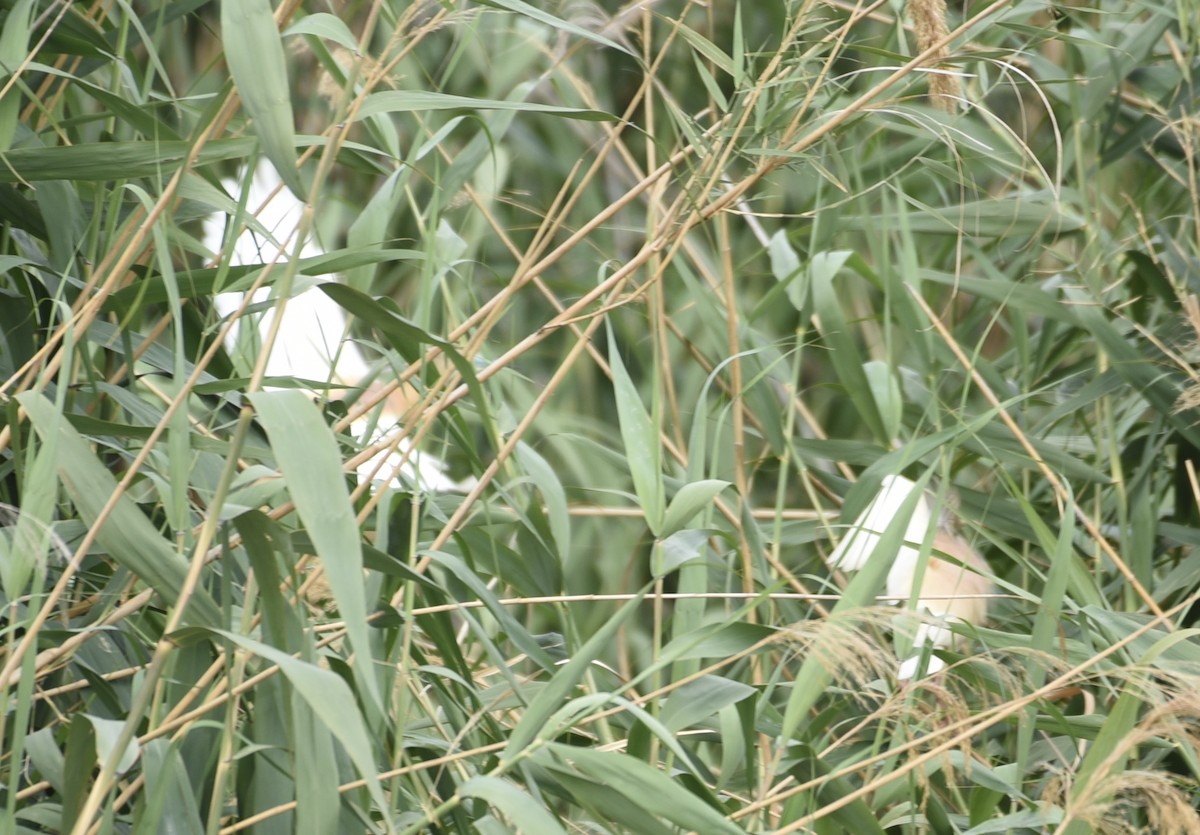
(312, 343)
(861, 539)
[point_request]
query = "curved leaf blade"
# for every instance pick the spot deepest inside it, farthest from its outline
(254, 53)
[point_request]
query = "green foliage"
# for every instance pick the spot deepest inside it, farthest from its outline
(667, 279)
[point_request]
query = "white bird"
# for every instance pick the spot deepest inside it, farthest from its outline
(951, 590)
(313, 342)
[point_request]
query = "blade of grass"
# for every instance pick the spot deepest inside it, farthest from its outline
(308, 457)
(254, 52)
(642, 449)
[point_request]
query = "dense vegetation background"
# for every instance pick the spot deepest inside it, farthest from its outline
(673, 281)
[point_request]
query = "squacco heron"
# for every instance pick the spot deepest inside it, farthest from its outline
(954, 584)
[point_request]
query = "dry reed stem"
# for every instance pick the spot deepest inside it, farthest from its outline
(1190, 397)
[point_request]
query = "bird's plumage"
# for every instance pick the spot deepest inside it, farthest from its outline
(954, 583)
(313, 342)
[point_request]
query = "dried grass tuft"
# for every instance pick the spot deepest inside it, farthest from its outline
(929, 21)
(848, 644)
(1122, 800)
